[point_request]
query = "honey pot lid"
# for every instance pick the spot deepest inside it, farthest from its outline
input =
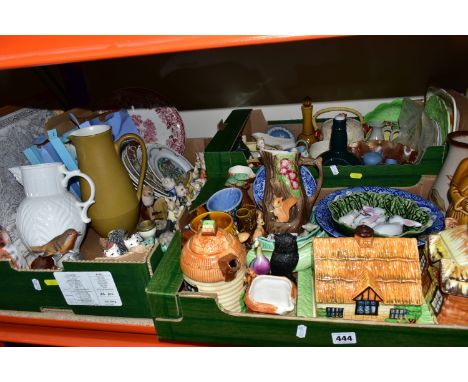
(211, 240)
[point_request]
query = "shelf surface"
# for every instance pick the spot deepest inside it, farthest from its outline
(27, 51)
(63, 329)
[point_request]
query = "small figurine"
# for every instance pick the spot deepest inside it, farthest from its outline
(260, 144)
(147, 198)
(163, 226)
(173, 208)
(8, 251)
(259, 231)
(165, 238)
(43, 262)
(243, 237)
(169, 185)
(261, 264)
(201, 157)
(181, 193)
(458, 192)
(133, 241)
(117, 236)
(59, 244)
(285, 256)
(113, 251)
(160, 209)
(308, 228)
(281, 208)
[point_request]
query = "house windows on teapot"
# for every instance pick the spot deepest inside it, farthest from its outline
(367, 308)
(398, 313)
(334, 312)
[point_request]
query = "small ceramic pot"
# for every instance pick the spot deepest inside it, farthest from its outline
(146, 229)
(222, 219)
(247, 219)
(226, 200)
(213, 261)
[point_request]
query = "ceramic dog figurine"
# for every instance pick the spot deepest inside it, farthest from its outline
(169, 186)
(181, 193)
(173, 208)
(147, 198)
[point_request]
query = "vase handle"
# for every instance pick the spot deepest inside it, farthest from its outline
(83, 205)
(144, 156)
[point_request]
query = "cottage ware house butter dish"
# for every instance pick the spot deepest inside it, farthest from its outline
(367, 278)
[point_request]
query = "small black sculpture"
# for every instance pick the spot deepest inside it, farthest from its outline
(285, 256)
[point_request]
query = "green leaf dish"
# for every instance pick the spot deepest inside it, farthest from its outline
(389, 111)
(392, 204)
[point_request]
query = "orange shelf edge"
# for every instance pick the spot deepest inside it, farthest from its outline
(51, 332)
(27, 51)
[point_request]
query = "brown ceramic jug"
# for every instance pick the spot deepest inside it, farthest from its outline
(116, 202)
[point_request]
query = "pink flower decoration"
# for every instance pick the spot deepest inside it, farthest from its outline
(283, 170)
(284, 162)
(137, 120)
(292, 175)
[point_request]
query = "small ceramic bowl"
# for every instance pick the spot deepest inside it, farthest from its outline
(241, 170)
(318, 148)
(271, 294)
(226, 200)
(223, 220)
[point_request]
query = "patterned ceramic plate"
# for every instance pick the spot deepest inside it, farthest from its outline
(156, 120)
(259, 184)
(324, 217)
(167, 163)
(132, 163)
(280, 132)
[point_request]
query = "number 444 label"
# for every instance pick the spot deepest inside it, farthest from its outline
(345, 338)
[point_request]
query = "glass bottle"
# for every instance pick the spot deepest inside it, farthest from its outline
(338, 153)
(308, 132)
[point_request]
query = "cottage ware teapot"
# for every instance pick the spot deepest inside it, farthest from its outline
(49, 209)
(213, 261)
(116, 203)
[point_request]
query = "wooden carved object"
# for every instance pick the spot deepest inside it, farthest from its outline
(286, 205)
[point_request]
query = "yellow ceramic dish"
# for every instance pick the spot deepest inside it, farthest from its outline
(223, 220)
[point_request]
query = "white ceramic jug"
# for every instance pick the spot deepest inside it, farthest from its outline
(49, 209)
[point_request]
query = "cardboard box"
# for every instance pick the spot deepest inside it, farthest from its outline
(195, 317)
(187, 316)
(37, 290)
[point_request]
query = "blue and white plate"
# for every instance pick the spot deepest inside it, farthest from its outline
(259, 184)
(325, 220)
(280, 132)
